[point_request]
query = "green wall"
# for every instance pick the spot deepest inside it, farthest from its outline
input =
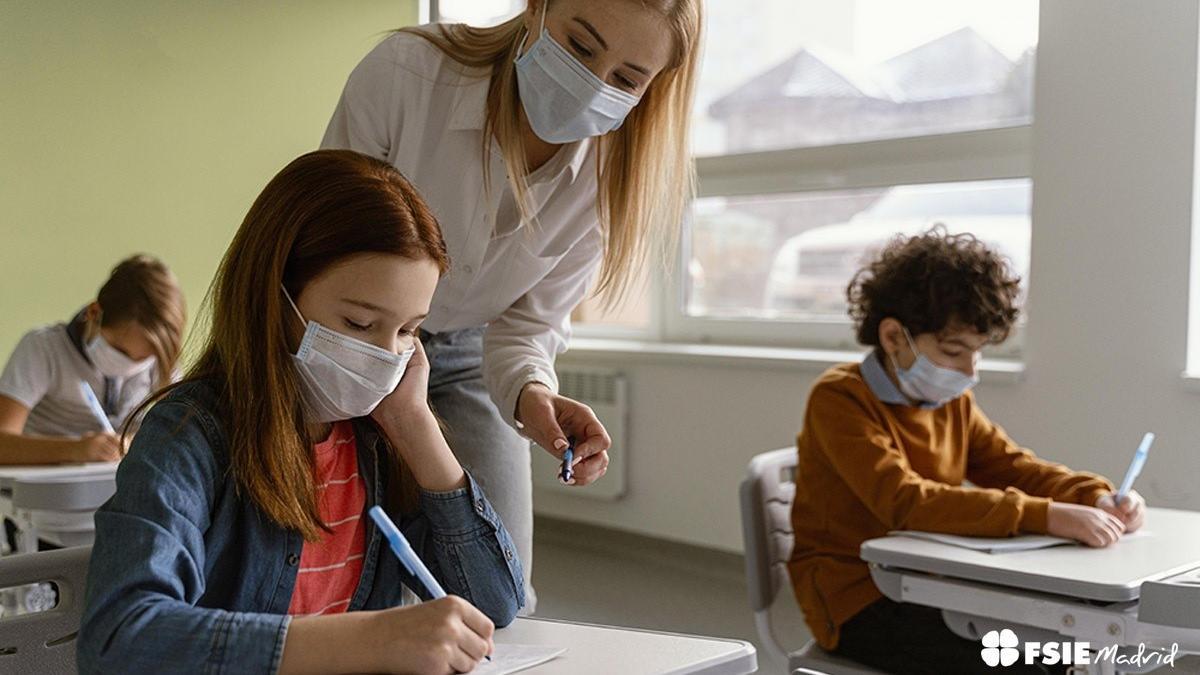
(150, 126)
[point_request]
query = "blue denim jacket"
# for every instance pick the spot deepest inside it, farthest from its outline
(189, 576)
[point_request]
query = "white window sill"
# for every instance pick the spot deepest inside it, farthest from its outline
(655, 352)
(1191, 381)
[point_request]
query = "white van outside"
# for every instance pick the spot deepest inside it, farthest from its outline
(810, 272)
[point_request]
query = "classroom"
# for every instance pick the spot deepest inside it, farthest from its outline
(591, 337)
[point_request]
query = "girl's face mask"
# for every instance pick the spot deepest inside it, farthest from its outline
(342, 377)
(111, 362)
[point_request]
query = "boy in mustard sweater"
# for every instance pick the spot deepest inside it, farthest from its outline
(888, 443)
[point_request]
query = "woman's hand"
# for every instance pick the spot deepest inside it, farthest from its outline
(409, 424)
(549, 419)
(1131, 510)
(1086, 524)
(442, 637)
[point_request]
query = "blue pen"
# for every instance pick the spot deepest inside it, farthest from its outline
(1135, 465)
(408, 557)
(567, 473)
(404, 551)
(93, 403)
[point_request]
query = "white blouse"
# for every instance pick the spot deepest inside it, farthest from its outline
(413, 106)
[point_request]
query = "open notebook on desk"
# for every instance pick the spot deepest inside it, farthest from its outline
(1026, 542)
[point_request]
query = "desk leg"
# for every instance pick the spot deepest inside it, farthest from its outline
(27, 538)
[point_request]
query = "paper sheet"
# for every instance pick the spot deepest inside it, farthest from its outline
(510, 658)
(1028, 542)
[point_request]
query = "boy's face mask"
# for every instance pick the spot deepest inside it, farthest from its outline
(929, 382)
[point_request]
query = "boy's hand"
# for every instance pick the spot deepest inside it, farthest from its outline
(1131, 510)
(1092, 526)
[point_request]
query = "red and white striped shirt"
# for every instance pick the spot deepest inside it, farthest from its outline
(330, 568)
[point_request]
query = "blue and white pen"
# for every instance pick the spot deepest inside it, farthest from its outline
(408, 557)
(93, 403)
(1135, 466)
(566, 474)
(404, 551)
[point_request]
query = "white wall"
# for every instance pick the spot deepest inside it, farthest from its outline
(1112, 214)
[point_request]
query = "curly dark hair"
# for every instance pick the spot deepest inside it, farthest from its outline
(931, 280)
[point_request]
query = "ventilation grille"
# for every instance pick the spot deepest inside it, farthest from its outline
(599, 386)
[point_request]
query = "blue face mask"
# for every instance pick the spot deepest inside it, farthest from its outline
(928, 382)
(563, 100)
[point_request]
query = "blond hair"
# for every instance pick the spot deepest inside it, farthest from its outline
(644, 170)
(143, 291)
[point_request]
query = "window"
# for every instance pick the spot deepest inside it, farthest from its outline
(831, 72)
(790, 256)
(818, 140)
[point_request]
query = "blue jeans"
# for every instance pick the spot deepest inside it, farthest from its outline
(495, 454)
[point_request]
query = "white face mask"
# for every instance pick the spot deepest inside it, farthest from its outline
(344, 378)
(564, 101)
(111, 362)
(929, 382)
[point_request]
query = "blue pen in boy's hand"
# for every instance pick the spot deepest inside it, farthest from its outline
(567, 472)
(1135, 467)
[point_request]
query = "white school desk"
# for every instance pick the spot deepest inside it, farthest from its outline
(55, 502)
(604, 650)
(1145, 588)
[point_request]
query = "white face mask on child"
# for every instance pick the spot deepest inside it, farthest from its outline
(111, 362)
(342, 377)
(929, 382)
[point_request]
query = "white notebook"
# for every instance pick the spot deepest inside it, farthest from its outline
(1027, 542)
(510, 658)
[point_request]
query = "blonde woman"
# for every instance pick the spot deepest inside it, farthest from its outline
(553, 150)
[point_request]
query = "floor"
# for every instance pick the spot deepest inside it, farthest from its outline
(618, 578)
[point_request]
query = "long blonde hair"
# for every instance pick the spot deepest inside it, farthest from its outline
(644, 168)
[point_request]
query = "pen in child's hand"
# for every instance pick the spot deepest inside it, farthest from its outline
(408, 557)
(1135, 467)
(93, 404)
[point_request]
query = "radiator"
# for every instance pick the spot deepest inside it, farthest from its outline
(605, 391)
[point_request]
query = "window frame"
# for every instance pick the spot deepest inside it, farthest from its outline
(1192, 345)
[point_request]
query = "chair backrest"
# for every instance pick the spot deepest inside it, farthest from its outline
(44, 642)
(767, 493)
